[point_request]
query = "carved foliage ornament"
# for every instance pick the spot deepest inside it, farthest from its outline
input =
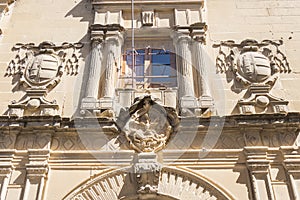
(255, 66)
(251, 61)
(148, 125)
(39, 65)
(38, 69)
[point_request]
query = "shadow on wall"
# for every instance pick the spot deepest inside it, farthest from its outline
(84, 10)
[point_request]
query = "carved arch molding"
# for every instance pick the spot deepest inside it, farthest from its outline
(174, 184)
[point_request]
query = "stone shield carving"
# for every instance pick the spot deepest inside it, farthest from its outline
(42, 69)
(254, 66)
(149, 125)
(38, 69)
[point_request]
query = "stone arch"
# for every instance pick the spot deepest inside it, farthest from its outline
(174, 184)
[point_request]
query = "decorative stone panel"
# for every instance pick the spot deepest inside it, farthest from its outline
(255, 67)
(38, 69)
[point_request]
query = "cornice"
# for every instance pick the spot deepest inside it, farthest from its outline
(289, 120)
(145, 2)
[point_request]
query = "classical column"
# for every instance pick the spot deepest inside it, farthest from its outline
(200, 63)
(185, 69)
(36, 172)
(258, 166)
(112, 53)
(291, 163)
(92, 87)
(184, 63)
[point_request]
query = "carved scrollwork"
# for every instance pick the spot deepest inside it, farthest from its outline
(34, 63)
(255, 66)
(38, 69)
(251, 61)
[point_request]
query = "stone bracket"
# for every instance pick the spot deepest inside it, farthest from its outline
(146, 172)
(34, 104)
(261, 101)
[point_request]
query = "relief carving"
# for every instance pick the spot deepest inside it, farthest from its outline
(33, 141)
(148, 125)
(7, 140)
(255, 66)
(69, 142)
(270, 137)
(148, 18)
(147, 171)
(38, 69)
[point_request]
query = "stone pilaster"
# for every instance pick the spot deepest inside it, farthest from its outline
(6, 167)
(36, 173)
(291, 162)
(258, 166)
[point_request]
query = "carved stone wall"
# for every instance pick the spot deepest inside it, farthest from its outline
(230, 130)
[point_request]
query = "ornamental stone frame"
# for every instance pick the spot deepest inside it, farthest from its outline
(173, 183)
(161, 145)
(110, 30)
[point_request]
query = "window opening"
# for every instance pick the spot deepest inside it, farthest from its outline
(153, 68)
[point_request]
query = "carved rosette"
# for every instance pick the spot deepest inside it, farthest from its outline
(38, 70)
(255, 67)
(148, 125)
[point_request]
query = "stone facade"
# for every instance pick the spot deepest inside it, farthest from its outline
(180, 99)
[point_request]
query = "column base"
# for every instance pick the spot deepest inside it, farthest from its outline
(202, 107)
(188, 105)
(89, 103)
(103, 107)
(106, 103)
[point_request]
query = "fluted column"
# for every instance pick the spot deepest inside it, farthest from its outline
(94, 70)
(200, 63)
(94, 75)
(112, 52)
(184, 64)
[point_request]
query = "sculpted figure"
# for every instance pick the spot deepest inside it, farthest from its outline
(148, 127)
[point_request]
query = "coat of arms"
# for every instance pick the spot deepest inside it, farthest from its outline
(255, 66)
(38, 70)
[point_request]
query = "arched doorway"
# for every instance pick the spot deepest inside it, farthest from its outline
(174, 184)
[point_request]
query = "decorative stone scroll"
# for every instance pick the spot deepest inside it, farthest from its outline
(148, 125)
(251, 55)
(255, 66)
(38, 70)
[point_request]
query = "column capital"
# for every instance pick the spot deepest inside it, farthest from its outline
(5, 170)
(257, 159)
(195, 31)
(115, 36)
(99, 32)
(291, 158)
(36, 172)
(180, 36)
